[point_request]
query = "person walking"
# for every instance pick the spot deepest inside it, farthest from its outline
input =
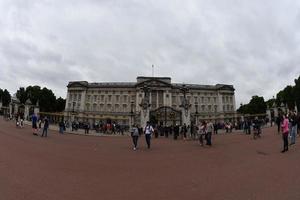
(46, 126)
(135, 136)
(148, 132)
(285, 133)
(210, 128)
(34, 125)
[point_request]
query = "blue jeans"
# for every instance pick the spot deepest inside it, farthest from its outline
(148, 139)
(293, 134)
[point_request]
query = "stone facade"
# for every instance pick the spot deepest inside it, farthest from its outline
(122, 102)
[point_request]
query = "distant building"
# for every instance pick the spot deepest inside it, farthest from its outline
(123, 102)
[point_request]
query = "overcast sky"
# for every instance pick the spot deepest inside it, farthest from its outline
(254, 45)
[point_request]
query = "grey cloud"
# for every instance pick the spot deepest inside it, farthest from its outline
(253, 45)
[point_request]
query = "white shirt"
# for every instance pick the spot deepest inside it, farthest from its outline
(148, 129)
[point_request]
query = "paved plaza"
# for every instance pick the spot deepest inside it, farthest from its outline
(85, 168)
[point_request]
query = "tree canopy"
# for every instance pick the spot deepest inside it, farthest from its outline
(5, 97)
(257, 105)
(289, 96)
(46, 98)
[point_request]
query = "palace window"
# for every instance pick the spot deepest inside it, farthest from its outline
(117, 98)
(109, 107)
(117, 107)
(87, 106)
(75, 97)
(203, 108)
(124, 107)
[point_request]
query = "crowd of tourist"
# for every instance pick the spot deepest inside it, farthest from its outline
(287, 124)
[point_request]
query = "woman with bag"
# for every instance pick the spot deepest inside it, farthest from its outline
(285, 133)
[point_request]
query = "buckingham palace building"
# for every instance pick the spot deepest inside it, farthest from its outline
(154, 99)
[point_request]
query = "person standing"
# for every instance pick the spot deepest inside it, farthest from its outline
(278, 122)
(46, 126)
(285, 133)
(210, 128)
(148, 132)
(184, 131)
(40, 124)
(201, 132)
(176, 131)
(135, 136)
(293, 128)
(216, 128)
(61, 127)
(34, 125)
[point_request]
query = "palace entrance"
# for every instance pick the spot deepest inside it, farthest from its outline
(165, 116)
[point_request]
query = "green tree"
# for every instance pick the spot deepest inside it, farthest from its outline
(297, 92)
(6, 98)
(47, 100)
(33, 93)
(22, 95)
(60, 104)
(256, 105)
(270, 102)
(286, 96)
